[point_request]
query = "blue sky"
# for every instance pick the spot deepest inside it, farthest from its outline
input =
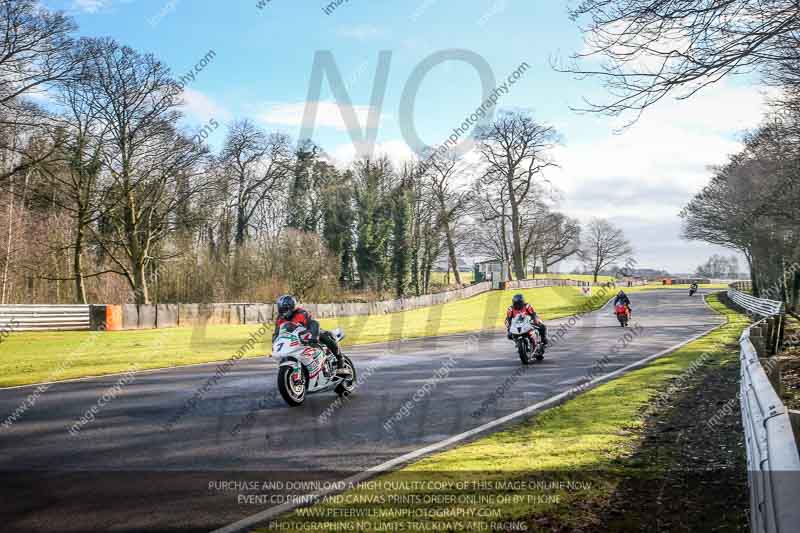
(263, 63)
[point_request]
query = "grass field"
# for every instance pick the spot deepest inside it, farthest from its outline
(577, 277)
(34, 357)
(438, 277)
(584, 439)
(468, 276)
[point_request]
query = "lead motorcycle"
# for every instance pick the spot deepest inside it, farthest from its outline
(308, 369)
(621, 310)
(526, 337)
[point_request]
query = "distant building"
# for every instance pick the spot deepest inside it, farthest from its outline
(491, 270)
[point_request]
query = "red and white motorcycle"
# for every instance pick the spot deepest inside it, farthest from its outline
(623, 314)
(526, 337)
(308, 369)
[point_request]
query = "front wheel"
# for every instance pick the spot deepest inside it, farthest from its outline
(347, 386)
(522, 349)
(539, 351)
(291, 386)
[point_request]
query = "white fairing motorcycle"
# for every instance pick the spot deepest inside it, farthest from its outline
(306, 369)
(526, 337)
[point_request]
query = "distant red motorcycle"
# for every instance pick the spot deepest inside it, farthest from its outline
(623, 313)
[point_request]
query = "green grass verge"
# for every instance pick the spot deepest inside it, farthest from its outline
(591, 433)
(35, 357)
(652, 286)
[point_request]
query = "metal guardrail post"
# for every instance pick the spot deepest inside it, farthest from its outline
(34, 317)
(773, 461)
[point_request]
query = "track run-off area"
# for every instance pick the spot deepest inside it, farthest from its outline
(137, 466)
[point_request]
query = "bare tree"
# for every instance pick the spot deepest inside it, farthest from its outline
(492, 214)
(451, 201)
(654, 48)
(257, 164)
(516, 150)
(426, 244)
(605, 244)
(35, 53)
(76, 171)
(560, 239)
(147, 161)
(750, 204)
(35, 46)
(310, 267)
(718, 266)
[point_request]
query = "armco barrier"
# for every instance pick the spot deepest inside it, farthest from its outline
(773, 462)
(394, 306)
(758, 306)
(132, 316)
(44, 317)
(172, 315)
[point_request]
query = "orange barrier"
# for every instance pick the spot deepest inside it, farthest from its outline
(113, 317)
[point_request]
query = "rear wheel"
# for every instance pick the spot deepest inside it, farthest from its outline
(346, 387)
(291, 386)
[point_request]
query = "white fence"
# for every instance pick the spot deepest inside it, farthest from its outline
(773, 462)
(44, 317)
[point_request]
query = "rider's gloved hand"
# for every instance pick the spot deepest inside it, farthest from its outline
(510, 336)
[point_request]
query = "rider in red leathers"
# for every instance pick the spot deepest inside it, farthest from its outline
(519, 307)
(288, 311)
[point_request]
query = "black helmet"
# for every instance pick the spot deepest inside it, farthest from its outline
(518, 301)
(286, 306)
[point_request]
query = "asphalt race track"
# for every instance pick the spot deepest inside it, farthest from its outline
(124, 472)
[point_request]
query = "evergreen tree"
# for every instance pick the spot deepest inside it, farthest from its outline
(374, 222)
(401, 240)
(338, 223)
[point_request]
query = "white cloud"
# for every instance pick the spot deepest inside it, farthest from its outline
(90, 6)
(362, 32)
(329, 114)
(396, 150)
(199, 106)
(648, 172)
(40, 96)
(672, 143)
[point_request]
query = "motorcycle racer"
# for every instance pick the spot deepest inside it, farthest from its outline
(622, 299)
(520, 307)
(288, 311)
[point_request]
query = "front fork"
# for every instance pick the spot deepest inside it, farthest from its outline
(297, 370)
